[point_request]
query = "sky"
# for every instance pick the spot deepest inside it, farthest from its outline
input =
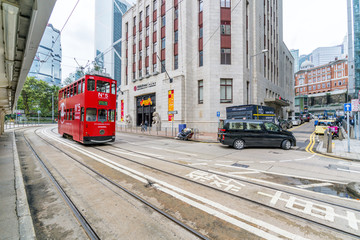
(308, 24)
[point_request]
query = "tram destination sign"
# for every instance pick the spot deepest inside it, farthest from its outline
(145, 85)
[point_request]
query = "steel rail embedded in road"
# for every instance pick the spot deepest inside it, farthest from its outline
(82, 220)
(231, 194)
(186, 227)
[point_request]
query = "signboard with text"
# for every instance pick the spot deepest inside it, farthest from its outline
(122, 111)
(170, 104)
(355, 105)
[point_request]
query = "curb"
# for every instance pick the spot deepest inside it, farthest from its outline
(26, 227)
(354, 188)
(333, 155)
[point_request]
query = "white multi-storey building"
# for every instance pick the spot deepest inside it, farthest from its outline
(197, 58)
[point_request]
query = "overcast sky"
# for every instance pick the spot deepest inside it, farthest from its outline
(308, 24)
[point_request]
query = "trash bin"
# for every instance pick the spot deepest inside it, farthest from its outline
(181, 127)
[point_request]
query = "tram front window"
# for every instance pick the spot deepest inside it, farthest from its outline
(111, 115)
(102, 115)
(91, 85)
(91, 114)
(102, 86)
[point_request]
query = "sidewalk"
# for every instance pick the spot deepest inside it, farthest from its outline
(340, 149)
(15, 218)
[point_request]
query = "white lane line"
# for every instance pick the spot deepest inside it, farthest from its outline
(127, 153)
(314, 185)
(280, 174)
(349, 164)
(347, 170)
(195, 164)
(267, 161)
(168, 150)
(143, 178)
(226, 161)
(241, 173)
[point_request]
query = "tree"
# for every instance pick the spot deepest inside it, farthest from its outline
(37, 95)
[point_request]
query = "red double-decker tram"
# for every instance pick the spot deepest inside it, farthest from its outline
(87, 110)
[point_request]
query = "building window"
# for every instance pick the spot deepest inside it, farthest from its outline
(176, 62)
(154, 67)
(225, 3)
(155, 48)
(163, 43)
(155, 26)
(147, 51)
(140, 73)
(163, 21)
(176, 12)
(162, 2)
(140, 16)
(134, 58)
(163, 66)
(200, 5)
(140, 55)
(225, 90)
(226, 56)
(147, 70)
(309, 87)
(201, 58)
(147, 31)
(328, 84)
(339, 83)
(140, 35)
(154, 5)
(200, 91)
(147, 10)
(176, 36)
(323, 85)
(134, 21)
(200, 32)
(225, 28)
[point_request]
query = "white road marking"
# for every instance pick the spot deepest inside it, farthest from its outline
(168, 150)
(349, 164)
(170, 190)
(280, 174)
(267, 161)
(127, 153)
(315, 185)
(347, 170)
(242, 173)
(317, 210)
(195, 164)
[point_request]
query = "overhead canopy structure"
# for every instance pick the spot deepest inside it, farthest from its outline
(22, 24)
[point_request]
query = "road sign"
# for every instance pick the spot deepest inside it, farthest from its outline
(39, 111)
(355, 105)
(218, 114)
(347, 107)
(172, 112)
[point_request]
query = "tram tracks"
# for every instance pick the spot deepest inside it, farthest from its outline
(89, 230)
(231, 194)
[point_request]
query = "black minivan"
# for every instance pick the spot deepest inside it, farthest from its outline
(250, 133)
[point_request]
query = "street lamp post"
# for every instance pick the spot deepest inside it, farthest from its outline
(250, 94)
(52, 106)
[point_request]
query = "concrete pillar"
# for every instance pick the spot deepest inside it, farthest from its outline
(2, 121)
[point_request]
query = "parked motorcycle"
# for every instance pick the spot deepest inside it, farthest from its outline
(185, 134)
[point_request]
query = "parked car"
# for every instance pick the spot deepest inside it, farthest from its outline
(295, 120)
(248, 133)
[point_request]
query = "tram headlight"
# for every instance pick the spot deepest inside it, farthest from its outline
(102, 132)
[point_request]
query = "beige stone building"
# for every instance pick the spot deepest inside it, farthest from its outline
(198, 57)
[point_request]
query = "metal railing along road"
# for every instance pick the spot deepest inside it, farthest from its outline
(14, 124)
(154, 131)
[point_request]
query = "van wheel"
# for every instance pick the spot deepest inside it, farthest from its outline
(239, 144)
(286, 144)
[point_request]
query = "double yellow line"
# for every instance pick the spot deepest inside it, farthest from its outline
(311, 144)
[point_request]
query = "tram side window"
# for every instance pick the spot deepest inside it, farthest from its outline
(111, 115)
(91, 85)
(75, 88)
(70, 114)
(82, 114)
(113, 87)
(102, 115)
(83, 85)
(102, 86)
(91, 114)
(79, 87)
